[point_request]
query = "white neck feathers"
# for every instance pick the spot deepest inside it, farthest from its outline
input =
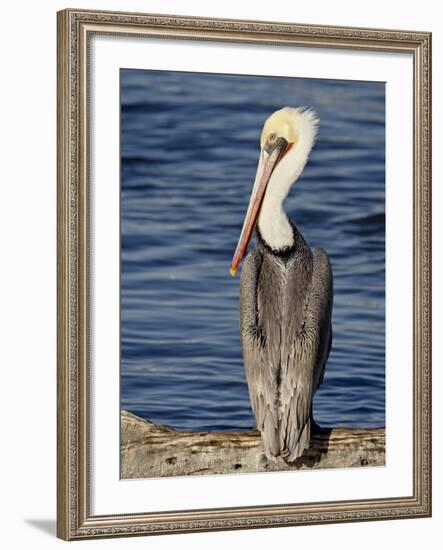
(272, 221)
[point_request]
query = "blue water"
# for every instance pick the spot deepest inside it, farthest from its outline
(189, 148)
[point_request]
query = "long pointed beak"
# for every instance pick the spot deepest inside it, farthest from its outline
(266, 165)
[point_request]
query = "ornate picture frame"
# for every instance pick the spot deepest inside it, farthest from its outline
(74, 512)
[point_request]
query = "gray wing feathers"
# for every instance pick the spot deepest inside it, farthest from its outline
(306, 355)
(284, 350)
(261, 383)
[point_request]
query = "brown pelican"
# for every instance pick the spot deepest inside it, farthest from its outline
(285, 293)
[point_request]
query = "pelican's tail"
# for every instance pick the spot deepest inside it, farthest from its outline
(270, 436)
(298, 443)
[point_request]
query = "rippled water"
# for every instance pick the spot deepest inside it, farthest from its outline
(189, 146)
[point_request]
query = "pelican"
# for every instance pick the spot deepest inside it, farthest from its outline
(285, 293)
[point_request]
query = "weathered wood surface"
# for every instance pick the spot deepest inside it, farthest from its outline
(148, 450)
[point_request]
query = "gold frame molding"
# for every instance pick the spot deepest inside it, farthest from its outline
(74, 519)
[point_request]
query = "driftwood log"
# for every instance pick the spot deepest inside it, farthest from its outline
(149, 450)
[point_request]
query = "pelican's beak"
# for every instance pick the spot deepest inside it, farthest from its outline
(269, 157)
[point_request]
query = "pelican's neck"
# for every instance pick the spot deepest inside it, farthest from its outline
(274, 224)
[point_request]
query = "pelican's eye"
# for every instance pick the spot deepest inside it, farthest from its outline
(272, 137)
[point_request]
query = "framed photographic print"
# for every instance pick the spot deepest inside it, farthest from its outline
(243, 274)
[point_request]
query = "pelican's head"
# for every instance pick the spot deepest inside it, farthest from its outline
(286, 141)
